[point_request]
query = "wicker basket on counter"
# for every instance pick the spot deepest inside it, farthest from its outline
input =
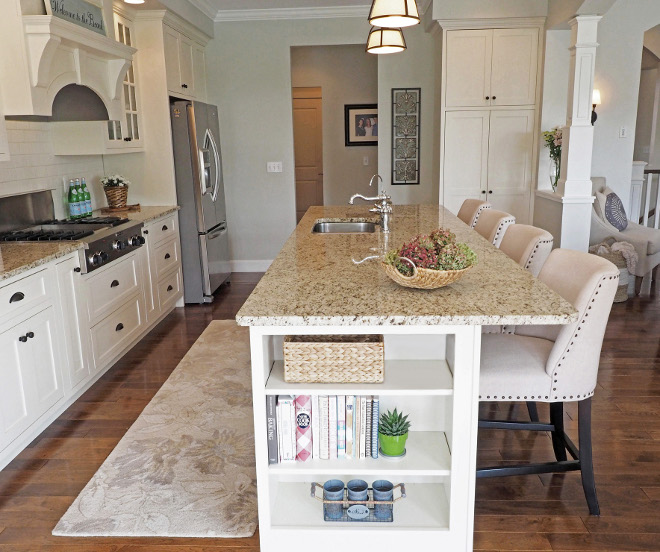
(117, 196)
(334, 359)
(424, 278)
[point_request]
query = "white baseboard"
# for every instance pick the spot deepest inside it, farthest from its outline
(251, 266)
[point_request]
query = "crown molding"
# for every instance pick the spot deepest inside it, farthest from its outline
(491, 23)
(206, 7)
(292, 13)
(174, 21)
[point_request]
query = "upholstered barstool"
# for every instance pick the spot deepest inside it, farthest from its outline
(492, 225)
(471, 209)
(554, 364)
(528, 246)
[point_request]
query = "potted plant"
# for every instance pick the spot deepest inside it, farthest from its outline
(116, 190)
(392, 433)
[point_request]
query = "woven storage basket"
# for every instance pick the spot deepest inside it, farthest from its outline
(116, 196)
(424, 278)
(622, 290)
(334, 359)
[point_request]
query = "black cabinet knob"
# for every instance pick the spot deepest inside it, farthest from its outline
(119, 327)
(169, 288)
(184, 86)
(164, 227)
(167, 255)
(18, 296)
(23, 338)
(114, 283)
(483, 191)
(30, 334)
(494, 97)
(146, 231)
(490, 191)
(488, 97)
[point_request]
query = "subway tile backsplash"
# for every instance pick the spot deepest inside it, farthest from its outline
(33, 166)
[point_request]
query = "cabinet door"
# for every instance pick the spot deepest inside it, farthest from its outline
(172, 68)
(199, 72)
(468, 68)
(15, 415)
(465, 154)
(513, 74)
(186, 66)
(46, 368)
(132, 123)
(4, 144)
(510, 153)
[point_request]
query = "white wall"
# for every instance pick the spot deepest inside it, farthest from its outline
(33, 167)
(249, 78)
(413, 68)
(555, 95)
(346, 75)
(644, 124)
(618, 62)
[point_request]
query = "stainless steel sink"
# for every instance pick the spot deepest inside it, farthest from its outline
(344, 228)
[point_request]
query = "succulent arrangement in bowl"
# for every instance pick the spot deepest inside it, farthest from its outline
(393, 432)
(429, 261)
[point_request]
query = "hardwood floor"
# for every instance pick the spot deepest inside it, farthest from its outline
(524, 513)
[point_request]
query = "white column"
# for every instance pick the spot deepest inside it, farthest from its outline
(578, 135)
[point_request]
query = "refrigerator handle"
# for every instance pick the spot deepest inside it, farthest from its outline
(204, 170)
(216, 157)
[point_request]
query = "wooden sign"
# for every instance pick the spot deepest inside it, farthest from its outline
(79, 12)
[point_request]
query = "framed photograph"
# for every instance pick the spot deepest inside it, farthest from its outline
(361, 124)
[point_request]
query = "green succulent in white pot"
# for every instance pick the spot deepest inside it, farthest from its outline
(393, 432)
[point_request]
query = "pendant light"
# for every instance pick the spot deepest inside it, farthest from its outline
(394, 13)
(383, 40)
(134, 1)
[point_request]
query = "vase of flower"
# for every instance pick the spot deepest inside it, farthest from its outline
(553, 140)
(553, 172)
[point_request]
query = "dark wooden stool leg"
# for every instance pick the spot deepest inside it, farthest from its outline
(586, 460)
(638, 284)
(533, 411)
(557, 420)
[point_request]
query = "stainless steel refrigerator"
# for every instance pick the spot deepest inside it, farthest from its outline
(201, 196)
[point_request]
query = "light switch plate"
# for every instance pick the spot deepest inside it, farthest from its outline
(365, 160)
(274, 166)
(623, 132)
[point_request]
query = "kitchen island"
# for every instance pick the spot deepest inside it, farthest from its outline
(334, 284)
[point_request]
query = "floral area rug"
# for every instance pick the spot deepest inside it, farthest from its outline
(185, 468)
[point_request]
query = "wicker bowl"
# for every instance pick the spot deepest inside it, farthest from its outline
(424, 278)
(116, 195)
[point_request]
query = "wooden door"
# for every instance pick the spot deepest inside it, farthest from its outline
(513, 73)
(308, 148)
(468, 68)
(510, 154)
(465, 154)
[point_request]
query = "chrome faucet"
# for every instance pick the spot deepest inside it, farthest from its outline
(383, 204)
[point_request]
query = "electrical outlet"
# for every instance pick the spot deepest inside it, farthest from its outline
(623, 132)
(365, 160)
(274, 166)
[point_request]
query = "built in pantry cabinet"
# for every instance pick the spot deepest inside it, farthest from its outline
(490, 113)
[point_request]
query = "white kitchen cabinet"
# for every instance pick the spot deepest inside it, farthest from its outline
(184, 65)
(488, 155)
(4, 143)
(92, 138)
(491, 67)
(31, 373)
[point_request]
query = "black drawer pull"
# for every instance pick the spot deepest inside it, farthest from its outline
(23, 338)
(169, 288)
(119, 327)
(145, 231)
(164, 227)
(18, 296)
(114, 283)
(167, 255)
(184, 86)
(30, 334)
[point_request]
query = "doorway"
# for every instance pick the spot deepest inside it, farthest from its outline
(308, 147)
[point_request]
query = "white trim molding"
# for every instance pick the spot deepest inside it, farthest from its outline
(260, 265)
(292, 13)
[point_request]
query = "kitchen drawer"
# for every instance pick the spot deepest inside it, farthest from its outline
(166, 256)
(23, 294)
(115, 332)
(162, 229)
(111, 287)
(169, 289)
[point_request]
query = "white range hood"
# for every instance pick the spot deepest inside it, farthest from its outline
(42, 54)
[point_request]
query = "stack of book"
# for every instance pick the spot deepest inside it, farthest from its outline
(321, 427)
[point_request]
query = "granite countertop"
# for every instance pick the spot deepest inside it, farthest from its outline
(146, 214)
(315, 281)
(20, 257)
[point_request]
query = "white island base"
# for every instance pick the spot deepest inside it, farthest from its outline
(432, 373)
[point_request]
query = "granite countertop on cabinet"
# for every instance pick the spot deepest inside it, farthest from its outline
(21, 257)
(146, 214)
(316, 279)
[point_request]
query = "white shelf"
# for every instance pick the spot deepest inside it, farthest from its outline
(424, 508)
(427, 453)
(402, 377)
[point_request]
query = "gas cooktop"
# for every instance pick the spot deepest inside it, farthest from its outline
(62, 230)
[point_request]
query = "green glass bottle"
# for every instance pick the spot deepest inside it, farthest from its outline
(87, 197)
(74, 202)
